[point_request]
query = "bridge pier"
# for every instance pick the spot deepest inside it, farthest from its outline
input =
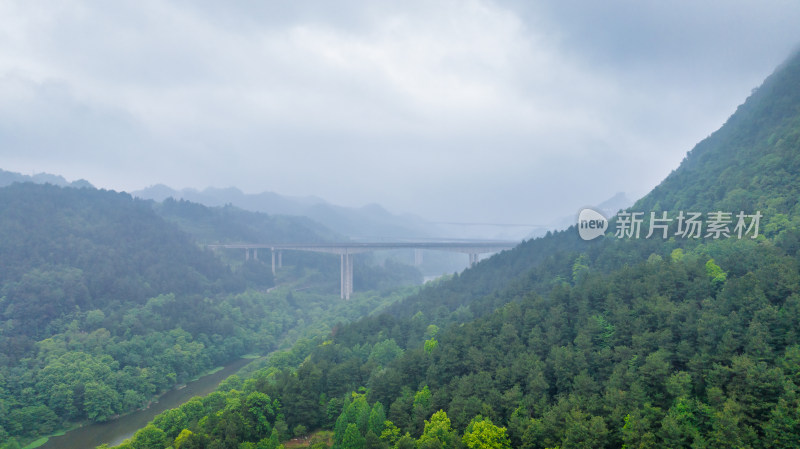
(347, 274)
(279, 255)
(473, 259)
(417, 257)
(247, 253)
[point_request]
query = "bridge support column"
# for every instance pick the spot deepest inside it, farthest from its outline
(347, 275)
(473, 259)
(417, 257)
(247, 254)
(279, 258)
(255, 253)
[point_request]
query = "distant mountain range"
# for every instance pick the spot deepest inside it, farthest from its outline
(371, 222)
(8, 178)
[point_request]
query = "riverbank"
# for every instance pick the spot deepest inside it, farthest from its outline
(115, 431)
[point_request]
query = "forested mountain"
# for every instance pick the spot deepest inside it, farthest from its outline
(677, 342)
(106, 300)
(64, 249)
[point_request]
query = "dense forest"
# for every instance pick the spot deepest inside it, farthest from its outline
(106, 300)
(619, 342)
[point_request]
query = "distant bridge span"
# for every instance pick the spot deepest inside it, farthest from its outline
(346, 250)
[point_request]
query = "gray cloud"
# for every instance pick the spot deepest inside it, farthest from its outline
(457, 110)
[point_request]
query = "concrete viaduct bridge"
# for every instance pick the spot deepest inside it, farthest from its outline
(346, 250)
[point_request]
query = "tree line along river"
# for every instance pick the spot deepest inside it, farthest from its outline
(114, 432)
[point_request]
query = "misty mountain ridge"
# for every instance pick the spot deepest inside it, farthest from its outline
(8, 178)
(369, 222)
(614, 204)
(608, 208)
(215, 196)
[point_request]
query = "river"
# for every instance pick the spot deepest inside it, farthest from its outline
(114, 432)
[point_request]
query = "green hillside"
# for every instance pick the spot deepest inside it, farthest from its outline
(635, 343)
(104, 302)
(64, 249)
(751, 163)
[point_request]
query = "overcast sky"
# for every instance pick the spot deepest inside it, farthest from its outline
(489, 111)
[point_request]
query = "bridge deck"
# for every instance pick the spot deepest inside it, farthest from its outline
(346, 250)
(452, 245)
